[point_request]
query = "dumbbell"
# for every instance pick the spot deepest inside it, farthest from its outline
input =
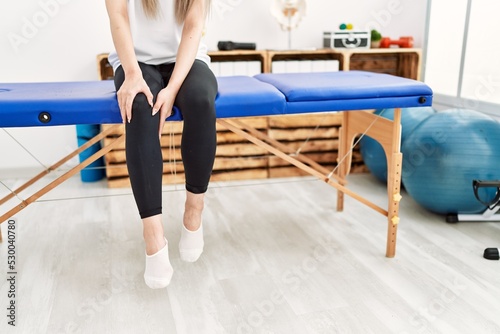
(402, 42)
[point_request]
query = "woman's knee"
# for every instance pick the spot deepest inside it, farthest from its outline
(199, 105)
(197, 94)
(142, 119)
(141, 103)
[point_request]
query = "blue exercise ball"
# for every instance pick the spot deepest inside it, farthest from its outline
(372, 152)
(445, 153)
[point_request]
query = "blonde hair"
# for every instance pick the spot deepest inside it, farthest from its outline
(152, 8)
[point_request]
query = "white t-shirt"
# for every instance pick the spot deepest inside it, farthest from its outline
(156, 41)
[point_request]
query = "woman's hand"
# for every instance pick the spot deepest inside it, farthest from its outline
(132, 86)
(164, 104)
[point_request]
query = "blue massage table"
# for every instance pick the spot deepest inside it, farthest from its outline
(70, 103)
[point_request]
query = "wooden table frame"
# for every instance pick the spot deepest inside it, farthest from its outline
(386, 132)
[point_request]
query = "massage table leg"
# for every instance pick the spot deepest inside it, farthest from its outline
(394, 169)
(388, 134)
(63, 177)
(344, 160)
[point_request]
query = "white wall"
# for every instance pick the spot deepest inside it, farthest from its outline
(47, 40)
(251, 20)
(58, 40)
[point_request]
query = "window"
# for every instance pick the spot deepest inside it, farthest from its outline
(462, 62)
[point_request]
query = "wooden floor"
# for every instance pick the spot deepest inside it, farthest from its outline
(278, 259)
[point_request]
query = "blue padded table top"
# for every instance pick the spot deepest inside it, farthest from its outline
(347, 90)
(88, 102)
(241, 96)
(94, 102)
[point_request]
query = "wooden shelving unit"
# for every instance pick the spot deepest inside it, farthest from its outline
(397, 61)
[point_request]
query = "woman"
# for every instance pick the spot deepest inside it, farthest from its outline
(160, 60)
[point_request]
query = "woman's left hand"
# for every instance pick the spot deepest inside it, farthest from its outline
(164, 105)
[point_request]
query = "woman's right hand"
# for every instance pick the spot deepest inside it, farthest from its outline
(133, 85)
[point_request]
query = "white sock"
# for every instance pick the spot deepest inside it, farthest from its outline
(191, 244)
(158, 271)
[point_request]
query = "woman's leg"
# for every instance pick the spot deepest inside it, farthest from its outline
(196, 100)
(144, 158)
(145, 167)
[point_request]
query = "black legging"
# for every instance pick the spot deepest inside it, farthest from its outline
(196, 100)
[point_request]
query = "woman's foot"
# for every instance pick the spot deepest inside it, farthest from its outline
(158, 271)
(191, 243)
